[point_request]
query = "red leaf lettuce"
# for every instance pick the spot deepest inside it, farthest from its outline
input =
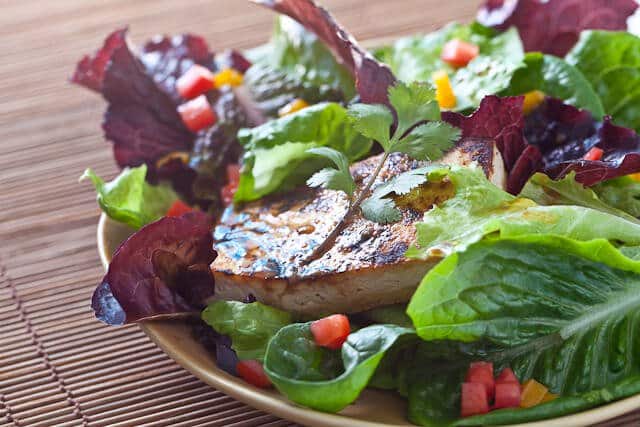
(160, 271)
(554, 26)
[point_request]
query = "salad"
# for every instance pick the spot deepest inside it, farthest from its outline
(452, 217)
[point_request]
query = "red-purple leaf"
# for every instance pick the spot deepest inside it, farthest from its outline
(160, 271)
(141, 120)
(167, 58)
(497, 119)
(564, 134)
(373, 78)
(90, 70)
(231, 58)
(553, 26)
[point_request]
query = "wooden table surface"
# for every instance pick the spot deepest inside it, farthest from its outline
(58, 365)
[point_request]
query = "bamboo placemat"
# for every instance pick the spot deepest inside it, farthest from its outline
(59, 366)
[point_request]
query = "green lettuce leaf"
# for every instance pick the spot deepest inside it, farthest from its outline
(611, 62)
(560, 311)
(416, 58)
(621, 193)
(300, 52)
(318, 378)
(479, 209)
(250, 326)
(277, 156)
(613, 197)
(501, 67)
(130, 199)
(555, 77)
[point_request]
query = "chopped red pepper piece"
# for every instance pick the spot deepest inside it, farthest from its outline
(196, 81)
(178, 208)
(459, 53)
(197, 114)
(252, 372)
(594, 154)
(332, 331)
(482, 373)
(507, 376)
(507, 395)
(233, 179)
(474, 400)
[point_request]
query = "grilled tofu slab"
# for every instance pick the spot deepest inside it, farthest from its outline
(263, 245)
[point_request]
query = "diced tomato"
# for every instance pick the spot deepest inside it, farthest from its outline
(233, 172)
(197, 114)
(458, 53)
(332, 331)
(507, 395)
(482, 373)
(474, 400)
(196, 81)
(594, 154)
(252, 372)
(178, 208)
(532, 393)
(233, 178)
(507, 376)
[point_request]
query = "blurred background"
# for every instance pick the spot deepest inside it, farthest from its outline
(58, 365)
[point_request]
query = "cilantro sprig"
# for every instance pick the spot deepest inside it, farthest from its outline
(415, 131)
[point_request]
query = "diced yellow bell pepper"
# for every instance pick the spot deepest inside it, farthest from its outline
(295, 105)
(532, 393)
(227, 77)
(635, 176)
(549, 397)
(444, 92)
(182, 156)
(532, 100)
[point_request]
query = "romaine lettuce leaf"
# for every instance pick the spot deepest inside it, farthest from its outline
(276, 157)
(621, 193)
(317, 377)
(130, 199)
(557, 78)
(554, 309)
(610, 196)
(250, 326)
(415, 58)
(611, 62)
(479, 209)
(300, 52)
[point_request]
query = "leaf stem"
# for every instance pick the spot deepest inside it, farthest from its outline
(326, 244)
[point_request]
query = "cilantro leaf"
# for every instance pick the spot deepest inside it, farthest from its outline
(428, 141)
(403, 183)
(413, 103)
(372, 121)
(382, 211)
(333, 179)
(378, 208)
